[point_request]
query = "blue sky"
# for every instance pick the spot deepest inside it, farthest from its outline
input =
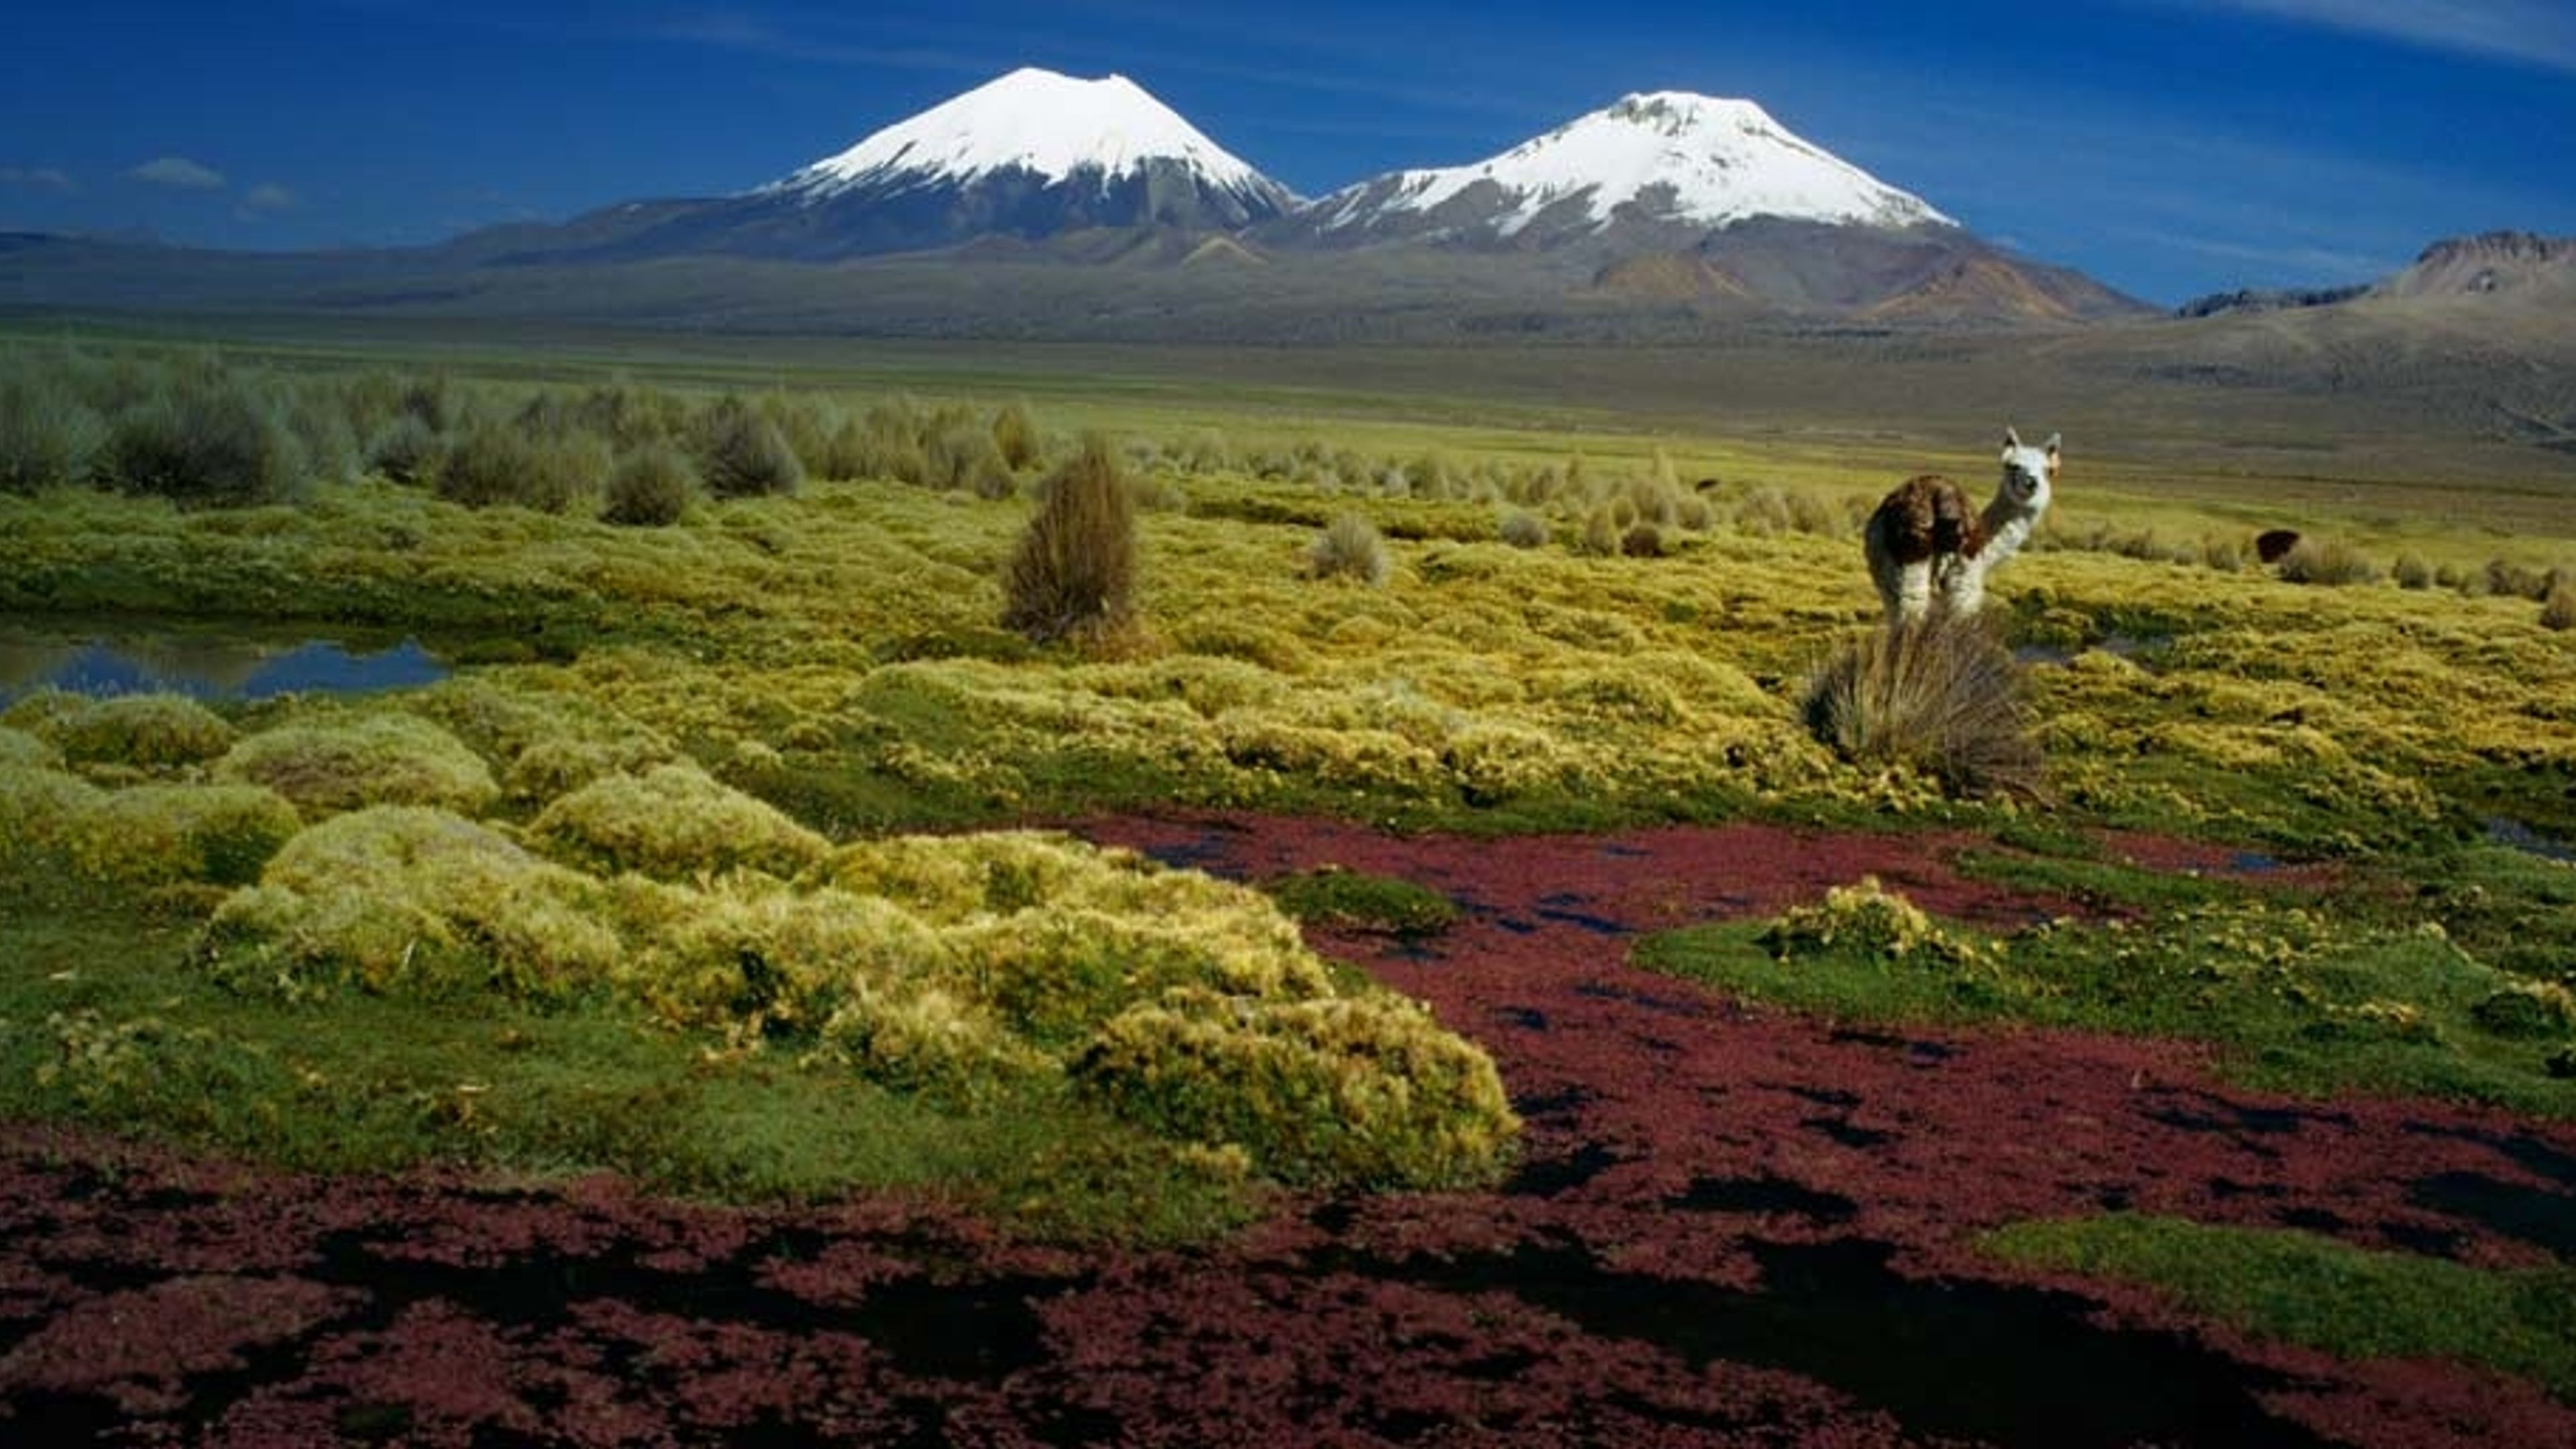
(2167, 147)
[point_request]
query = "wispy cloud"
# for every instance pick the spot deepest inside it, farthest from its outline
(180, 172)
(265, 200)
(36, 178)
(2530, 32)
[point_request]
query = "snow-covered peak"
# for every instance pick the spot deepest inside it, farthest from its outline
(1676, 155)
(1030, 120)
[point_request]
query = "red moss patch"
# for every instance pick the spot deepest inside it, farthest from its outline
(1731, 1225)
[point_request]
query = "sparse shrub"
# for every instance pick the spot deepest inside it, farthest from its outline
(1015, 435)
(1074, 572)
(2514, 580)
(1811, 514)
(2413, 571)
(1350, 547)
(407, 450)
(2328, 561)
(331, 765)
(1942, 697)
(1523, 529)
(143, 731)
(673, 822)
(2456, 579)
(1763, 512)
(959, 454)
(2559, 611)
(1602, 530)
(48, 437)
(205, 438)
(497, 463)
(742, 454)
(408, 900)
(2221, 553)
(651, 487)
(1642, 540)
(1346, 1092)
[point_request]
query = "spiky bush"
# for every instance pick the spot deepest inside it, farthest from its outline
(651, 487)
(1943, 697)
(673, 822)
(1344, 1092)
(1350, 547)
(742, 453)
(1074, 573)
(331, 765)
(410, 900)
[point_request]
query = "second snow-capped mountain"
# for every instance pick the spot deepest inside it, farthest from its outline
(1653, 167)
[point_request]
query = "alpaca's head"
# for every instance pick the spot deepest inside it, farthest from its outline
(2030, 474)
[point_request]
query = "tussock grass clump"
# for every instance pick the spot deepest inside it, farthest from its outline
(1943, 697)
(674, 822)
(205, 438)
(651, 487)
(140, 731)
(410, 900)
(1350, 547)
(1074, 573)
(1362, 1091)
(2328, 561)
(48, 437)
(331, 765)
(742, 453)
(162, 834)
(2412, 571)
(2559, 610)
(1523, 529)
(500, 463)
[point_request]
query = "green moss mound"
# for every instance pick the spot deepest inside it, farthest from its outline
(138, 731)
(410, 899)
(1357, 1090)
(327, 766)
(673, 822)
(156, 834)
(977, 968)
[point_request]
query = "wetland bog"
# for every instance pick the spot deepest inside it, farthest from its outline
(890, 963)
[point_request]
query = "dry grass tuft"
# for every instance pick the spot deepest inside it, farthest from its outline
(1075, 572)
(1943, 697)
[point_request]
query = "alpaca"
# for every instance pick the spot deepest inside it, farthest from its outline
(1928, 549)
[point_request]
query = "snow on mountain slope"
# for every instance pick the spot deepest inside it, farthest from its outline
(1034, 121)
(1670, 155)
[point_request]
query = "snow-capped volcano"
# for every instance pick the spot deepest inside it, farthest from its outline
(1038, 124)
(1667, 157)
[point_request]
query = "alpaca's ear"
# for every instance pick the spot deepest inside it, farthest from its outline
(2051, 447)
(2012, 437)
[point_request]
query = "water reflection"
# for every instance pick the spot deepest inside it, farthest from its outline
(207, 663)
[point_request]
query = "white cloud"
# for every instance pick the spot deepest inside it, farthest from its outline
(36, 178)
(2532, 32)
(266, 199)
(180, 172)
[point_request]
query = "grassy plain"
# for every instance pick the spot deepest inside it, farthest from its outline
(826, 670)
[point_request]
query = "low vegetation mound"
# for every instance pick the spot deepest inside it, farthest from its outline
(673, 822)
(144, 732)
(331, 764)
(971, 967)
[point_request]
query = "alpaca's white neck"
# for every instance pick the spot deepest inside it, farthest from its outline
(2008, 526)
